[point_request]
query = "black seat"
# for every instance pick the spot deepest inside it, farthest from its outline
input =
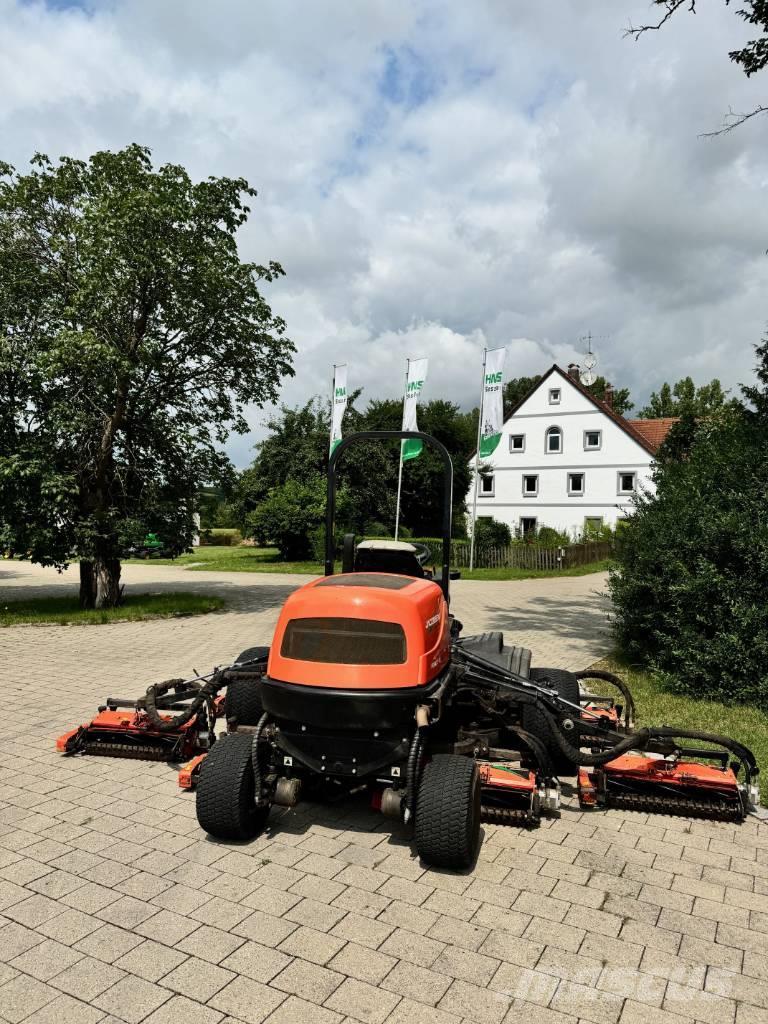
(388, 556)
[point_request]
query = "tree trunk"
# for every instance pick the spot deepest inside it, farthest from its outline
(87, 584)
(107, 573)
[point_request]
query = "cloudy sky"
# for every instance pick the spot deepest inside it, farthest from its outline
(438, 176)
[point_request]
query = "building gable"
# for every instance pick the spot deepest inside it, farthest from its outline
(574, 398)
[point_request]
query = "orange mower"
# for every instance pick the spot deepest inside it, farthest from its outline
(369, 684)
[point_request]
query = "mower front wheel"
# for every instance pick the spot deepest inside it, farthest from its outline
(226, 793)
(538, 722)
(447, 828)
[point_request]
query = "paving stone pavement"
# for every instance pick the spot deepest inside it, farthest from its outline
(115, 907)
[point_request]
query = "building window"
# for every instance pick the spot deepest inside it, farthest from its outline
(554, 396)
(627, 483)
(576, 484)
(487, 486)
(592, 525)
(517, 442)
(553, 441)
(527, 526)
(593, 440)
(530, 486)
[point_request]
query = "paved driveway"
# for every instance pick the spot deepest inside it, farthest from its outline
(115, 907)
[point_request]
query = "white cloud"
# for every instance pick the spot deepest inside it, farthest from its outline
(435, 177)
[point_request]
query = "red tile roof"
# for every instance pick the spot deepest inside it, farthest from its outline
(654, 431)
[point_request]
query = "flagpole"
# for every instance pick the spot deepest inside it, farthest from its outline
(400, 469)
(477, 463)
(333, 399)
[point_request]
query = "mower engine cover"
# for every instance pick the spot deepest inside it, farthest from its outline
(353, 656)
(362, 631)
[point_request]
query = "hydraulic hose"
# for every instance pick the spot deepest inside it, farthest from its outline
(255, 758)
(609, 677)
(540, 753)
(745, 755)
(203, 694)
(414, 756)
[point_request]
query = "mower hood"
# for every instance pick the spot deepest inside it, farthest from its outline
(362, 631)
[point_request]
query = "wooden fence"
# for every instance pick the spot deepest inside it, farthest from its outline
(531, 556)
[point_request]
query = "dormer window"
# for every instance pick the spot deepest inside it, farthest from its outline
(554, 396)
(553, 441)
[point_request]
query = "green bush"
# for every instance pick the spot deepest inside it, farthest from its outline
(591, 533)
(289, 517)
(377, 530)
(689, 589)
(220, 538)
(549, 537)
(490, 533)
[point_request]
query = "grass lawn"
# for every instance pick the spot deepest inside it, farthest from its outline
(657, 706)
(235, 559)
(248, 559)
(66, 610)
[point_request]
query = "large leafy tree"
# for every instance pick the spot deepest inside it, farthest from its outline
(684, 398)
(689, 588)
(294, 456)
(131, 335)
(751, 58)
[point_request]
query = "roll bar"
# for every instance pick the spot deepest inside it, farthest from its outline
(391, 435)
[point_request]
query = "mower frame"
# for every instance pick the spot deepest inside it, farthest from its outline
(392, 435)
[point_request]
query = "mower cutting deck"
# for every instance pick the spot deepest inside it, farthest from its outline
(370, 684)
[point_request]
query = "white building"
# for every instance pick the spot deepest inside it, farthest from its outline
(566, 460)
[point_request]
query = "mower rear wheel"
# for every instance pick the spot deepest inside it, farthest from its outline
(226, 793)
(536, 721)
(253, 654)
(447, 826)
(243, 699)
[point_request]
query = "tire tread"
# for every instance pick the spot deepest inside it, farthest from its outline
(225, 803)
(448, 811)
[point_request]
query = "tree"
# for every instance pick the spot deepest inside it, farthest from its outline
(515, 390)
(689, 588)
(518, 388)
(751, 58)
(131, 335)
(622, 401)
(685, 398)
(755, 394)
(289, 515)
(297, 449)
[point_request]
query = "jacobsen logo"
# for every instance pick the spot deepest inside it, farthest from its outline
(431, 623)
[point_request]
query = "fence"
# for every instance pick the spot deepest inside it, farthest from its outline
(531, 556)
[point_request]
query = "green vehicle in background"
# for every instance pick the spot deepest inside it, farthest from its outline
(150, 547)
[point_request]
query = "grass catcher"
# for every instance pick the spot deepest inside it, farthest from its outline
(370, 685)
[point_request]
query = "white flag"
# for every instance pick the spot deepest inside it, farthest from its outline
(493, 402)
(417, 375)
(339, 402)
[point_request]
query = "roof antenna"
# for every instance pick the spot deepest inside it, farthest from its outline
(587, 375)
